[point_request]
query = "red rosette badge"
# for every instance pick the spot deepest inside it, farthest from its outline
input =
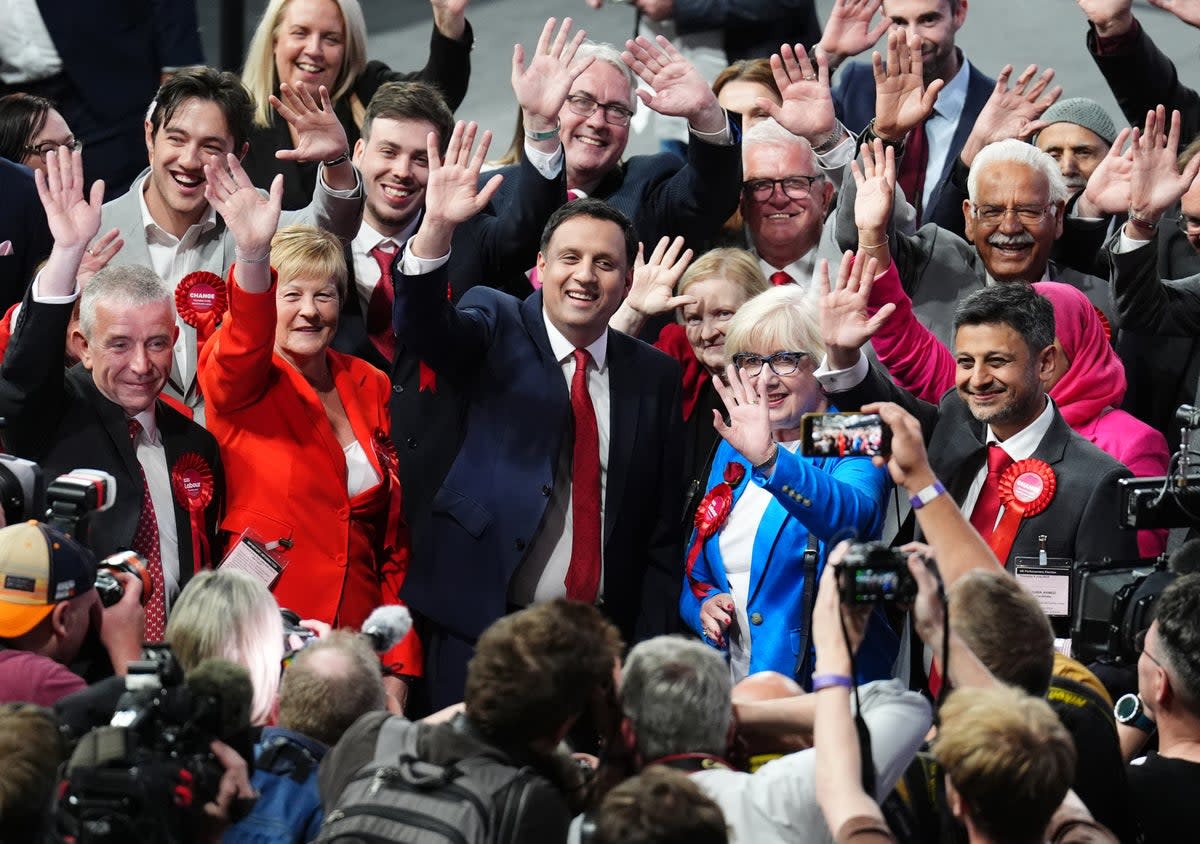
(1026, 489)
(710, 515)
(193, 486)
(201, 298)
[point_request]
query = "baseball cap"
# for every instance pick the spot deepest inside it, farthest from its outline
(39, 567)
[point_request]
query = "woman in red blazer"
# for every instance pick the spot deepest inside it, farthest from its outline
(304, 430)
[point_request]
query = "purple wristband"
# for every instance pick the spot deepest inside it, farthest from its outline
(828, 681)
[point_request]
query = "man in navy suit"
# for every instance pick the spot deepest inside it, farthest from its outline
(942, 135)
(566, 480)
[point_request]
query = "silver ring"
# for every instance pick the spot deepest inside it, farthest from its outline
(810, 78)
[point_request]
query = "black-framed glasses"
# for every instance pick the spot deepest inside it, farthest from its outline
(1139, 646)
(1188, 224)
(992, 215)
(73, 144)
(781, 363)
(794, 187)
(614, 113)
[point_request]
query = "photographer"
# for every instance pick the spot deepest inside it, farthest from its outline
(48, 607)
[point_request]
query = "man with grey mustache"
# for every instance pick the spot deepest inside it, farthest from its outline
(1013, 215)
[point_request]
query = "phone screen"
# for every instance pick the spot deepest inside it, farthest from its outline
(845, 435)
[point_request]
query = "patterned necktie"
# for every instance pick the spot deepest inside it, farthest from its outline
(583, 575)
(146, 543)
(779, 278)
(379, 309)
(987, 507)
(911, 175)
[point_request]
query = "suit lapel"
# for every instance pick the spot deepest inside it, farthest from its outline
(770, 529)
(625, 408)
(349, 387)
(111, 417)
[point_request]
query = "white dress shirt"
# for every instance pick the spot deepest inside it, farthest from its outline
(153, 457)
(941, 126)
(366, 268)
(801, 270)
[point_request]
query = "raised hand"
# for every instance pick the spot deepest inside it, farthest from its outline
(749, 428)
(251, 218)
(99, 254)
(679, 89)
(73, 220)
(876, 181)
(1110, 17)
(1155, 184)
(908, 463)
(902, 101)
(845, 323)
(1187, 11)
(452, 194)
(1107, 190)
(1012, 113)
(542, 86)
(653, 289)
(319, 133)
(807, 108)
(450, 17)
(848, 31)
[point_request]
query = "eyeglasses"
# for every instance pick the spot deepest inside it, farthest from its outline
(993, 214)
(614, 113)
(1188, 224)
(794, 187)
(781, 363)
(73, 144)
(1139, 646)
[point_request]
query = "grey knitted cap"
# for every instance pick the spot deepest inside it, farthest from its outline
(1082, 112)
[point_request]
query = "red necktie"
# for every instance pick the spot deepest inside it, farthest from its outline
(987, 507)
(583, 575)
(779, 278)
(379, 309)
(911, 177)
(146, 543)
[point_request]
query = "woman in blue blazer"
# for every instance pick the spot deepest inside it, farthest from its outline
(744, 590)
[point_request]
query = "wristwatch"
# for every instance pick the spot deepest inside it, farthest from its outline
(1132, 713)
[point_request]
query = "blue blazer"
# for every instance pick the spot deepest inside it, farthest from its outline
(854, 101)
(848, 494)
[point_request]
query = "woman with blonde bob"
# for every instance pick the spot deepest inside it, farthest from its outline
(231, 615)
(315, 43)
(304, 430)
(767, 504)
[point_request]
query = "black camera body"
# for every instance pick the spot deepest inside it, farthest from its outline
(871, 572)
(147, 775)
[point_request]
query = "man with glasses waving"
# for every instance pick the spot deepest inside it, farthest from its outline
(660, 195)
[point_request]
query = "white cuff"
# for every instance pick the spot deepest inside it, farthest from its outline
(840, 155)
(340, 194)
(723, 138)
(549, 164)
(52, 300)
(837, 380)
(1125, 243)
(411, 264)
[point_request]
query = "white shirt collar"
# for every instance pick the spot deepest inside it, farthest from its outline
(801, 270)
(150, 225)
(564, 348)
(953, 96)
(368, 238)
(1024, 443)
(149, 425)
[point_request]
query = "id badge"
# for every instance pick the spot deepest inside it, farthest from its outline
(251, 555)
(1049, 580)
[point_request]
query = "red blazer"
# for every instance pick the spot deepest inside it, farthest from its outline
(286, 472)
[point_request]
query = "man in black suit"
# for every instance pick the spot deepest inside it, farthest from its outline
(23, 228)
(556, 490)
(104, 413)
(997, 414)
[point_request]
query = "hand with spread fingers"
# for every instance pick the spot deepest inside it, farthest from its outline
(654, 280)
(542, 86)
(319, 134)
(848, 31)
(846, 325)
(1012, 113)
(1107, 190)
(72, 218)
(807, 109)
(902, 99)
(251, 218)
(678, 88)
(876, 196)
(99, 254)
(749, 428)
(453, 194)
(1155, 183)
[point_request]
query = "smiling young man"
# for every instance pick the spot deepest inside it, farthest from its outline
(566, 473)
(999, 414)
(166, 221)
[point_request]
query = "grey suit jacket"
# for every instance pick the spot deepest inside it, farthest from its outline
(338, 215)
(938, 268)
(1081, 522)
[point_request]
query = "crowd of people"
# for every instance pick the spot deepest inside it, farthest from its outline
(735, 492)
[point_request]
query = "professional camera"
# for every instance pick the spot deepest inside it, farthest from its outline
(1115, 604)
(109, 586)
(871, 572)
(293, 627)
(64, 504)
(147, 775)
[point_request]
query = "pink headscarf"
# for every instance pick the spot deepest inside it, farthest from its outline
(1095, 379)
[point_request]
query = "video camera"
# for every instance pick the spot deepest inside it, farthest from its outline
(1115, 604)
(1174, 499)
(147, 775)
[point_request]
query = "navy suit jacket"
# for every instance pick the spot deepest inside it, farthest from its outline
(490, 507)
(751, 28)
(854, 101)
(23, 222)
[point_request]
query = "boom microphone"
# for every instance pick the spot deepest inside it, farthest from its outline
(221, 695)
(386, 626)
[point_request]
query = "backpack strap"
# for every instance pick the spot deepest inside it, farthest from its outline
(811, 555)
(397, 737)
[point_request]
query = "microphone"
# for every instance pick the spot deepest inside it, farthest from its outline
(221, 694)
(386, 626)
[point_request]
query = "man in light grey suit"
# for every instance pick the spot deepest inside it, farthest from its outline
(200, 116)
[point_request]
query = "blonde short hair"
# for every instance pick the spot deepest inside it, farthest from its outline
(1009, 758)
(231, 615)
(261, 77)
(781, 319)
(734, 265)
(306, 251)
